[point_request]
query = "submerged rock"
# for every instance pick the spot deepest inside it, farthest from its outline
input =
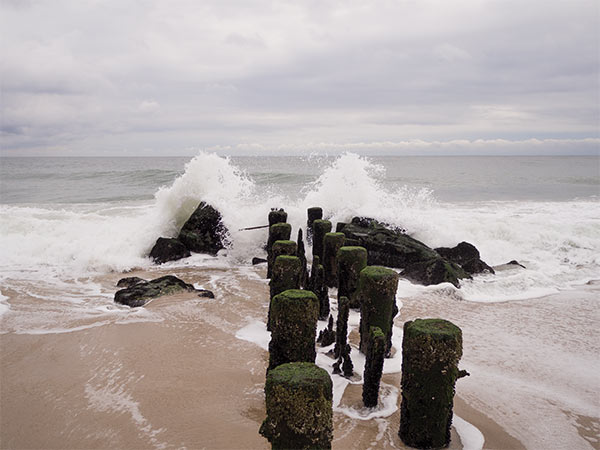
(257, 260)
(140, 293)
(168, 249)
(204, 231)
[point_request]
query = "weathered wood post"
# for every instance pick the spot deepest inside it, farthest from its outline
(318, 286)
(341, 326)
(302, 255)
(332, 242)
(294, 315)
(313, 214)
(277, 232)
(299, 400)
(277, 216)
(377, 296)
(320, 229)
(286, 273)
(373, 367)
(431, 350)
(351, 260)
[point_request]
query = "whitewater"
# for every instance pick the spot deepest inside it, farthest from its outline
(70, 228)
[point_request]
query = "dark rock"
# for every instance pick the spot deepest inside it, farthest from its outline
(139, 294)
(130, 281)
(516, 263)
(467, 256)
(435, 271)
(205, 293)
(460, 254)
(340, 226)
(386, 246)
(168, 249)
(476, 266)
(256, 261)
(204, 231)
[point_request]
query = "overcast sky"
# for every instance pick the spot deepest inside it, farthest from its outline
(149, 77)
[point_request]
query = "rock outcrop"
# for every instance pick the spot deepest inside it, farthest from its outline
(467, 256)
(204, 231)
(141, 292)
(168, 249)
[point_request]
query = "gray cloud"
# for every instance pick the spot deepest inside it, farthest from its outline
(141, 77)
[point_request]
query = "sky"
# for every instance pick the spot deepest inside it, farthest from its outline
(149, 77)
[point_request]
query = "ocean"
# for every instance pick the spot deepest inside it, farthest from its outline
(70, 227)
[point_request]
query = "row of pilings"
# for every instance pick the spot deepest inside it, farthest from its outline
(298, 394)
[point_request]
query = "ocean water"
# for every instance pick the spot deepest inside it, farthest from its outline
(69, 227)
(63, 219)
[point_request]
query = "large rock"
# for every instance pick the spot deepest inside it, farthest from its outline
(168, 249)
(204, 231)
(467, 256)
(392, 247)
(142, 292)
(387, 246)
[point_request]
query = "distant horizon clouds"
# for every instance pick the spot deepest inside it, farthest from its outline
(155, 78)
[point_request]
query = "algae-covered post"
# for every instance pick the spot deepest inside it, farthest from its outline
(318, 286)
(294, 316)
(332, 242)
(327, 335)
(301, 253)
(286, 274)
(431, 350)
(277, 232)
(377, 296)
(373, 367)
(320, 229)
(313, 213)
(277, 249)
(277, 216)
(299, 403)
(341, 327)
(351, 260)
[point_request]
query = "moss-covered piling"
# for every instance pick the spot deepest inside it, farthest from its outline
(286, 274)
(332, 242)
(298, 398)
(277, 216)
(293, 323)
(277, 232)
(373, 367)
(431, 350)
(301, 253)
(376, 293)
(314, 213)
(351, 260)
(341, 326)
(318, 286)
(320, 229)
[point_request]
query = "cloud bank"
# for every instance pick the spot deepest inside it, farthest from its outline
(110, 77)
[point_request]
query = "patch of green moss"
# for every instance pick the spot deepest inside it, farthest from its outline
(377, 273)
(351, 260)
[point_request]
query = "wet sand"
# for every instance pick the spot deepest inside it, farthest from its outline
(179, 378)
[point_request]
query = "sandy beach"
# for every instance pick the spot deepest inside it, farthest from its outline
(175, 376)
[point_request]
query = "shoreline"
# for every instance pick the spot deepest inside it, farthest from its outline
(179, 377)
